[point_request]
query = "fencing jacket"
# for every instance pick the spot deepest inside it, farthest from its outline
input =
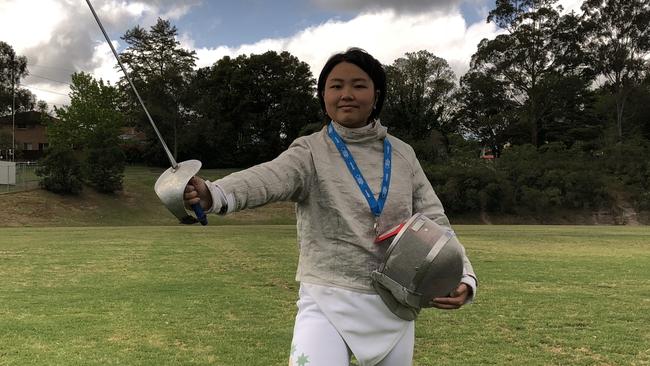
(334, 222)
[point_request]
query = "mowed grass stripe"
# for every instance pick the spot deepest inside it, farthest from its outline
(225, 295)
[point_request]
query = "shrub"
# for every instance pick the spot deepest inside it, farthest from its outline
(524, 179)
(60, 171)
(104, 168)
(470, 186)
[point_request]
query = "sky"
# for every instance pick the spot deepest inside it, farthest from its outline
(60, 37)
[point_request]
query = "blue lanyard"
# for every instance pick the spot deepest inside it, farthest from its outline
(376, 206)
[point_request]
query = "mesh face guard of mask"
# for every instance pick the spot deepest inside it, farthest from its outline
(424, 261)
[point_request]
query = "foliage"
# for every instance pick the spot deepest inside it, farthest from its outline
(627, 169)
(535, 60)
(525, 179)
(104, 168)
(638, 110)
(618, 44)
(553, 176)
(470, 186)
(251, 108)
(12, 69)
(91, 124)
(485, 113)
(6, 141)
(419, 98)
(91, 118)
(60, 171)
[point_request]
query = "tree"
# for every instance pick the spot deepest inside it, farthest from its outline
(161, 71)
(12, 69)
(250, 108)
(420, 89)
(640, 115)
(91, 126)
(533, 58)
(278, 91)
(485, 112)
(570, 111)
(618, 45)
(92, 116)
(420, 103)
(6, 144)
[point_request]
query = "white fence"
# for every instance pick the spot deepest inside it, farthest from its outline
(16, 177)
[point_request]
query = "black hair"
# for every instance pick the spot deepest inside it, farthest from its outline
(365, 62)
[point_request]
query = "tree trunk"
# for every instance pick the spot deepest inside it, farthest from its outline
(175, 141)
(620, 107)
(534, 123)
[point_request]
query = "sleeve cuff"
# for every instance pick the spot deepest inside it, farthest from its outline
(472, 283)
(219, 201)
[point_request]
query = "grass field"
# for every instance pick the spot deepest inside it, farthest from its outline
(113, 279)
(225, 295)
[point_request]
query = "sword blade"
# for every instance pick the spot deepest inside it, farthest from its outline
(146, 111)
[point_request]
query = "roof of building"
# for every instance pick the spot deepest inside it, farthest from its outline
(29, 118)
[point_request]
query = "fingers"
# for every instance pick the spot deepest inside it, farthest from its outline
(447, 303)
(455, 300)
(197, 192)
(191, 195)
(195, 181)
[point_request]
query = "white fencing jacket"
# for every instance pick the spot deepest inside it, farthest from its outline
(334, 221)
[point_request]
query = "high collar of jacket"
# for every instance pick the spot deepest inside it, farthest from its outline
(371, 132)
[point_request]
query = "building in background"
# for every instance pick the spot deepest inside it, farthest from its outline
(30, 136)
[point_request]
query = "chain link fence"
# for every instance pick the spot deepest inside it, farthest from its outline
(16, 177)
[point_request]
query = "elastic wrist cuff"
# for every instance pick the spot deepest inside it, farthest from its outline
(219, 202)
(472, 283)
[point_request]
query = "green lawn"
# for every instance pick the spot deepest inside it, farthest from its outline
(224, 295)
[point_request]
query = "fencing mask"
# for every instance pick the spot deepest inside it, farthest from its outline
(424, 260)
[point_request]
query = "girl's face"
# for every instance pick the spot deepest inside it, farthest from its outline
(349, 95)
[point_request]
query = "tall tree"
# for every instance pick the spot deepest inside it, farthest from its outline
(420, 95)
(618, 44)
(13, 68)
(279, 102)
(485, 112)
(161, 70)
(539, 48)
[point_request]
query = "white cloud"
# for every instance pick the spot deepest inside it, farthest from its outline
(54, 94)
(177, 12)
(24, 32)
(61, 37)
(399, 5)
(570, 5)
(387, 35)
(104, 58)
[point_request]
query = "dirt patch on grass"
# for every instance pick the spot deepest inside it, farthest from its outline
(39, 207)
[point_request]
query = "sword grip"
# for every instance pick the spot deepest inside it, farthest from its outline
(200, 215)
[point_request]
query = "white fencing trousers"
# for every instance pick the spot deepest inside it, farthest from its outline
(332, 324)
